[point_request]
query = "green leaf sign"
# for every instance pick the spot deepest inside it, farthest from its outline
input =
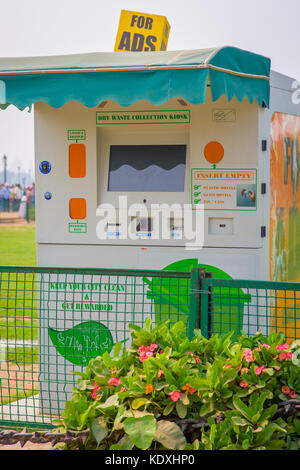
(83, 342)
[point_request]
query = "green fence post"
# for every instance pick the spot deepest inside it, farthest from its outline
(27, 212)
(196, 275)
(205, 305)
(210, 304)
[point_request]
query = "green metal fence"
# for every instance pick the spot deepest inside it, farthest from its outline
(250, 306)
(54, 320)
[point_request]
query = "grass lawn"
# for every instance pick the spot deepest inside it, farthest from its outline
(18, 311)
(18, 305)
(17, 245)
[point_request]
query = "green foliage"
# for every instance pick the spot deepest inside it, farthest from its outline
(147, 396)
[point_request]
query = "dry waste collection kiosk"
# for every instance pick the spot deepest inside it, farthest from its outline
(215, 131)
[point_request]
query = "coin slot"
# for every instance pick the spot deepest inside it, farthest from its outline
(217, 226)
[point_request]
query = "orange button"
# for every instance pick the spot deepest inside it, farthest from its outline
(77, 160)
(77, 208)
(214, 152)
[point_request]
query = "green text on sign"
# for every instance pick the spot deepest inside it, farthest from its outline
(142, 117)
(76, 134)
(77, 227)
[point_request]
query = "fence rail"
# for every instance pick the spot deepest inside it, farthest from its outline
(54, 320)
(250, 306)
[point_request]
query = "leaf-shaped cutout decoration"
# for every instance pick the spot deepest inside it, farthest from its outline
(85, 341)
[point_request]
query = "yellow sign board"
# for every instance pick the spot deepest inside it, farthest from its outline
(142, 32)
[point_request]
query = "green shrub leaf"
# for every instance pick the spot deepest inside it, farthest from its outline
(239, 421)
(113, 400)
(99, 429)
(170, 435)
(141, 430)
(181, 409)
(169, 408)
(138, 402)
(242, 408)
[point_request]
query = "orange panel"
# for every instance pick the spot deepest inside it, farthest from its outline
(77, 161)
(77, 208)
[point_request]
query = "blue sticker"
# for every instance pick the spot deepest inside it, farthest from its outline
(45, 167)
(48, 196)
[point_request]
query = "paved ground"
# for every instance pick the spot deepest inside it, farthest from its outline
(28, 446)
(11, 218)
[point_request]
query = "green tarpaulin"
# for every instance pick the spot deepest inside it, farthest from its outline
(132, 76)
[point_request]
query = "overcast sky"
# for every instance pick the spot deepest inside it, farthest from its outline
(52, 27)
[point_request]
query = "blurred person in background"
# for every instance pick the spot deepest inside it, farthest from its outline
(17, 193)
(23, 205)
(33, 195)
(1, 198)
(5, 195)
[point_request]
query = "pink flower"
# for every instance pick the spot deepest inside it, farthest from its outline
(227, 366)
(244, 370)
(123, 389)
(293, 394)
(248, 355)
(114, 381)
(175, 395)
(282, 347)
(259, 370)
(267, 346)
(160, 373)
(143, 357)
(285, 389)
(94, 391)
(286, 355)
(243, 384)
(146, 351)
(149, 354)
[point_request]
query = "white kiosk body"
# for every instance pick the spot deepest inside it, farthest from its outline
(236, 236)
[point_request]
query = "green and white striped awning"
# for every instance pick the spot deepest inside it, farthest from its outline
(132, 76)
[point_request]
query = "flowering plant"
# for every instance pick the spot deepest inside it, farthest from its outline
(230, 391)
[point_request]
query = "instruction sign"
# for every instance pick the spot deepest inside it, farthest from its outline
(81, 311)
(224, 189)
(77, 227)
(76, 134)
(142, 117)
(142, 32)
